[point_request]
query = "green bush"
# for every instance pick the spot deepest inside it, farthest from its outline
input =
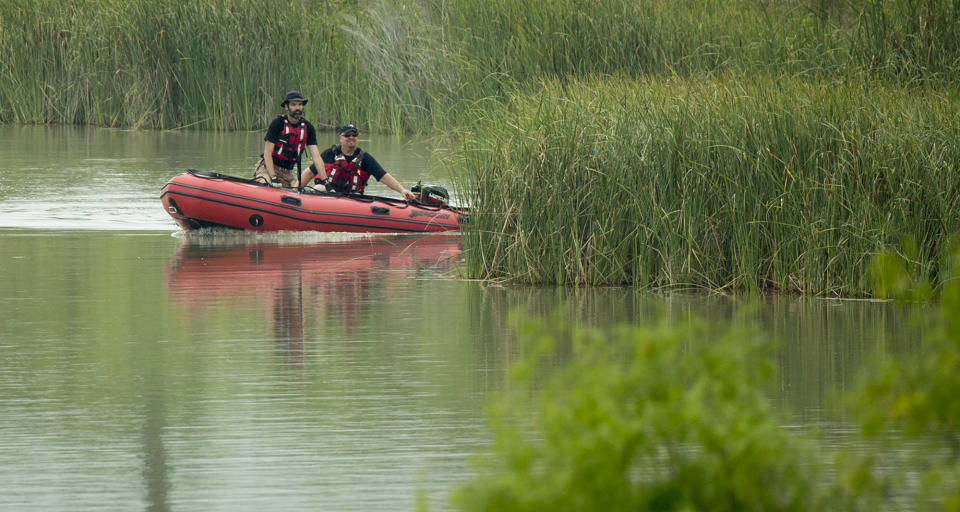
(916, 394)
(632, 418)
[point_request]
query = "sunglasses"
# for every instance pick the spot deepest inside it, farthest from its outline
(350, 134)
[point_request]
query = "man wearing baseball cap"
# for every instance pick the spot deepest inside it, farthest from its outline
(287, 136)
(349, 167)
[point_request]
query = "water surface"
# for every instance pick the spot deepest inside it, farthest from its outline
(143, 368)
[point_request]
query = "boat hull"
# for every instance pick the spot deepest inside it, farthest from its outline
(197, 199)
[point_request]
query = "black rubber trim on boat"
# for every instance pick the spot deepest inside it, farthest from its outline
(430, 207)
(380, 210)
(173, 208)
(217, 175)
(290, 200)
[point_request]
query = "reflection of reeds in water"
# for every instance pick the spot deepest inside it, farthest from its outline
(726, 184)
(401, 66)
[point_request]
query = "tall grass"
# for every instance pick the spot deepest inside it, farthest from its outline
(165, 63)
(722, 184)
(908, 38)
(533, 40)
(413, 66)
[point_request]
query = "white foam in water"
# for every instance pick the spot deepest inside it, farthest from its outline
(94, 213)
(215, 237)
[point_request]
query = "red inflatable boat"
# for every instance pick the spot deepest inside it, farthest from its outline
(197, 199)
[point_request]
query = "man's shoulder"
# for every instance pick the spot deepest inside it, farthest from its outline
(360, 154)
(276, 125)
(329, 154)
(370, 164)
(273, 130)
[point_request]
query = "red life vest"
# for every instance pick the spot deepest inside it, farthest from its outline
(345, 174)
(290, 143)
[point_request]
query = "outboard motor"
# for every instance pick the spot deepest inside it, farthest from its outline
(431, 194)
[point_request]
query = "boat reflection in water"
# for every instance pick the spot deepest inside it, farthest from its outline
(294, 284)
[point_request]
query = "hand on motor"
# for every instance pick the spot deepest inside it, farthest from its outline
(409, 196)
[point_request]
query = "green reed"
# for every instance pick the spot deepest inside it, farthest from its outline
(415, 66)
(167, 64)
(723, 184)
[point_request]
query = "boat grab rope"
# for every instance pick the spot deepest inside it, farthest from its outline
(396, 203)
(217, 175)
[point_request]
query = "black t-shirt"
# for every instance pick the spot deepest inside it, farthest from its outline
(273, 131)
(367, 164)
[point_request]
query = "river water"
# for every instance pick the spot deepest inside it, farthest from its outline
(143, 368)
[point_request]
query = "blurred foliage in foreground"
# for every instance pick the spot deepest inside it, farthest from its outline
(675, 417)
(633, 418)
(919, 393)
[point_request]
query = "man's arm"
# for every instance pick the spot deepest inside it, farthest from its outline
(308, 175)
(392, 182)
(268, 160)
(371, 165)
